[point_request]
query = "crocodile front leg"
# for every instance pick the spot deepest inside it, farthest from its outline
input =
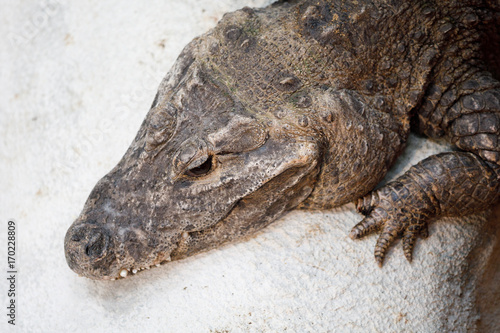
(448, 184)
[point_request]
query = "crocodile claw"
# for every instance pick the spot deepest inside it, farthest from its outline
(385, 212)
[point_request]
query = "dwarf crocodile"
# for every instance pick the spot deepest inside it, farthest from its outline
(304, 105)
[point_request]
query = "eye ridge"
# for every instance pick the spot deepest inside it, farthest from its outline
(202, 170)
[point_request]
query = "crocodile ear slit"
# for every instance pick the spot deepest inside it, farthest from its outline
(241, 134)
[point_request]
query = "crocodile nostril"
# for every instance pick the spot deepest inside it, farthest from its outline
(97, 245)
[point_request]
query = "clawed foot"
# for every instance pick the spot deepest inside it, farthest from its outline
(398, 213)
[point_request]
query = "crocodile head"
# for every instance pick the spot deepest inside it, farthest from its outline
(206, 167)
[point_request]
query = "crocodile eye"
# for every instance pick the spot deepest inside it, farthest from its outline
(203, 169)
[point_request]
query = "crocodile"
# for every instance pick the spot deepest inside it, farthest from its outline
(304, 105)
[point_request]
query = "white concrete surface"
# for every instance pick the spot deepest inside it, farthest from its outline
(76, 81)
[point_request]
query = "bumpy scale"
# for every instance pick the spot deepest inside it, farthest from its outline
(304, 104)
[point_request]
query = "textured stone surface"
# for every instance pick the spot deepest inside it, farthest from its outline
(76, 83)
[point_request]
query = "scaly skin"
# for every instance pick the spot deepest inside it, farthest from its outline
(449, 184)
(303, 104)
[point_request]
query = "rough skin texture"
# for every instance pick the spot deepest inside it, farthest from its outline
(304, 104)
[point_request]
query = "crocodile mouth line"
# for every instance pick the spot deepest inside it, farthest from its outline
(124, 272)
(194, 234)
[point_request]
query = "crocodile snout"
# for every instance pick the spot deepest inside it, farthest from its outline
(86, 246)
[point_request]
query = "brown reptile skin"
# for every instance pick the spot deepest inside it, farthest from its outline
(463, 104)
(453, 184)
